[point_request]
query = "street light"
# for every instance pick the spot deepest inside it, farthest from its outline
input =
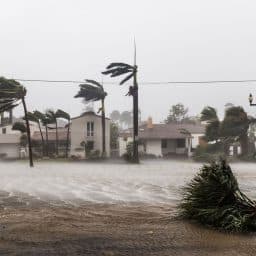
(251, 100)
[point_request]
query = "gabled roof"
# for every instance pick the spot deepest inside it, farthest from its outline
(166, 131)
(89, 113)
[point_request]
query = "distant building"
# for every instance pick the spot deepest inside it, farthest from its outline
(164, 139)
(87, 128)
(62, 141)
(9, 139)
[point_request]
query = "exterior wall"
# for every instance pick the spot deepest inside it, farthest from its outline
(171, 147)
(10, 150)
(8, 130)
(122, 144)
(195, 140)
(154, 147)
(78, 134)
(9, 145)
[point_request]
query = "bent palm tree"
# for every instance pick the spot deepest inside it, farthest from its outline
(62, 114)
(94, 91)
(39, 117)
(11, 95)
(53, 119)
(34, 118)
(118, 69)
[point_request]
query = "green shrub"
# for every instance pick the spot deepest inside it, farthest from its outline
(213, 198)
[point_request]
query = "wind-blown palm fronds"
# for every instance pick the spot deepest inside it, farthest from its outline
(62, 114)
(94, 91)
(213, 198)
(19, 126)
(11, 95)
(117, 69)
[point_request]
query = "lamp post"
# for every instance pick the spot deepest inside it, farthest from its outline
(251, 100)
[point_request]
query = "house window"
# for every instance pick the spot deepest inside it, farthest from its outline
(90, 145)
(3, 130)
(164, 143)
(90, 129)
(181, 143)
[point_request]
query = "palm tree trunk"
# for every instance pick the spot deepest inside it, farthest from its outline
(135, 119)
(67, 142)
(57, 140)
(42, 137)
(28, 133)
(47, 141)
(103, 124)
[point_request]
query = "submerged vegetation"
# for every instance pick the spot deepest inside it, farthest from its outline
(213, 198)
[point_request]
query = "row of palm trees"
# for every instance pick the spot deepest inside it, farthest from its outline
(45, 119)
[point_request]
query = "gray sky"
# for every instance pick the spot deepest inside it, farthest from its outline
(176, 40)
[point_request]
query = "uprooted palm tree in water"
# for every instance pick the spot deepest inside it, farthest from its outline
(94, 91)
(214, 199)
(12, 93)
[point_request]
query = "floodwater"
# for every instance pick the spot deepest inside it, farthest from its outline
(65, 208)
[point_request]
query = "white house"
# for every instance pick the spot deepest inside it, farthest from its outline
(87, 128)
(164, 139)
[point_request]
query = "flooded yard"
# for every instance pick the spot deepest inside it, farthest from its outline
(108, 209)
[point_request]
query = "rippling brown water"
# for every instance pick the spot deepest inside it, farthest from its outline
(32, 223)
(29, 226)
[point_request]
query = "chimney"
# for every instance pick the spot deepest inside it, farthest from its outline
(150, 123)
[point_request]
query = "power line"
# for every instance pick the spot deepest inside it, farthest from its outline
(144, 83)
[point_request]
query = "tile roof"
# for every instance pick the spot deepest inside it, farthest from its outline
(167, 131)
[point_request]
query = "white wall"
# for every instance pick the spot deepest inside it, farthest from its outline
(195, 139)
(78, 133)
(154, 147)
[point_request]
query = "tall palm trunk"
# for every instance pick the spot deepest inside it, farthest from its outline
(67, 142)
(103, 124)
(47, 141)
(135, 119)
(57, 139)
(42, 137)
(28, 132)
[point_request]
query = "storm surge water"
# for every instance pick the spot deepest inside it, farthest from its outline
(151, 182)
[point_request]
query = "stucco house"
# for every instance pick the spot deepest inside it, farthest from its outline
(87, 128)
(164, 139)
(9, 139)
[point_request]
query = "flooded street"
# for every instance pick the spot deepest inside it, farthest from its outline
(110, 209)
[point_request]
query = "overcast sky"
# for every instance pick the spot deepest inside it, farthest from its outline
(176, 40)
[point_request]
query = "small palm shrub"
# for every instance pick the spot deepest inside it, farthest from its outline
(213, 198)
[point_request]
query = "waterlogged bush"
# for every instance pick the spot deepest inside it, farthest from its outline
(213, 198)
(128, 155)
(209, 152)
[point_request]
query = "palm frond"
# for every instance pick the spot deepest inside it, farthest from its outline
(213, 198)
(62, 114)
(94, 83)
(119, 64)
(126, 78)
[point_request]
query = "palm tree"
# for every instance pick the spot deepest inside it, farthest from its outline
(19, 126)
(117, 69)
(12, 93)
(46, 121)
(34, 118)
(62, 114)
(39, 119)
(94, 91)
(53, 118)
(209, 114)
